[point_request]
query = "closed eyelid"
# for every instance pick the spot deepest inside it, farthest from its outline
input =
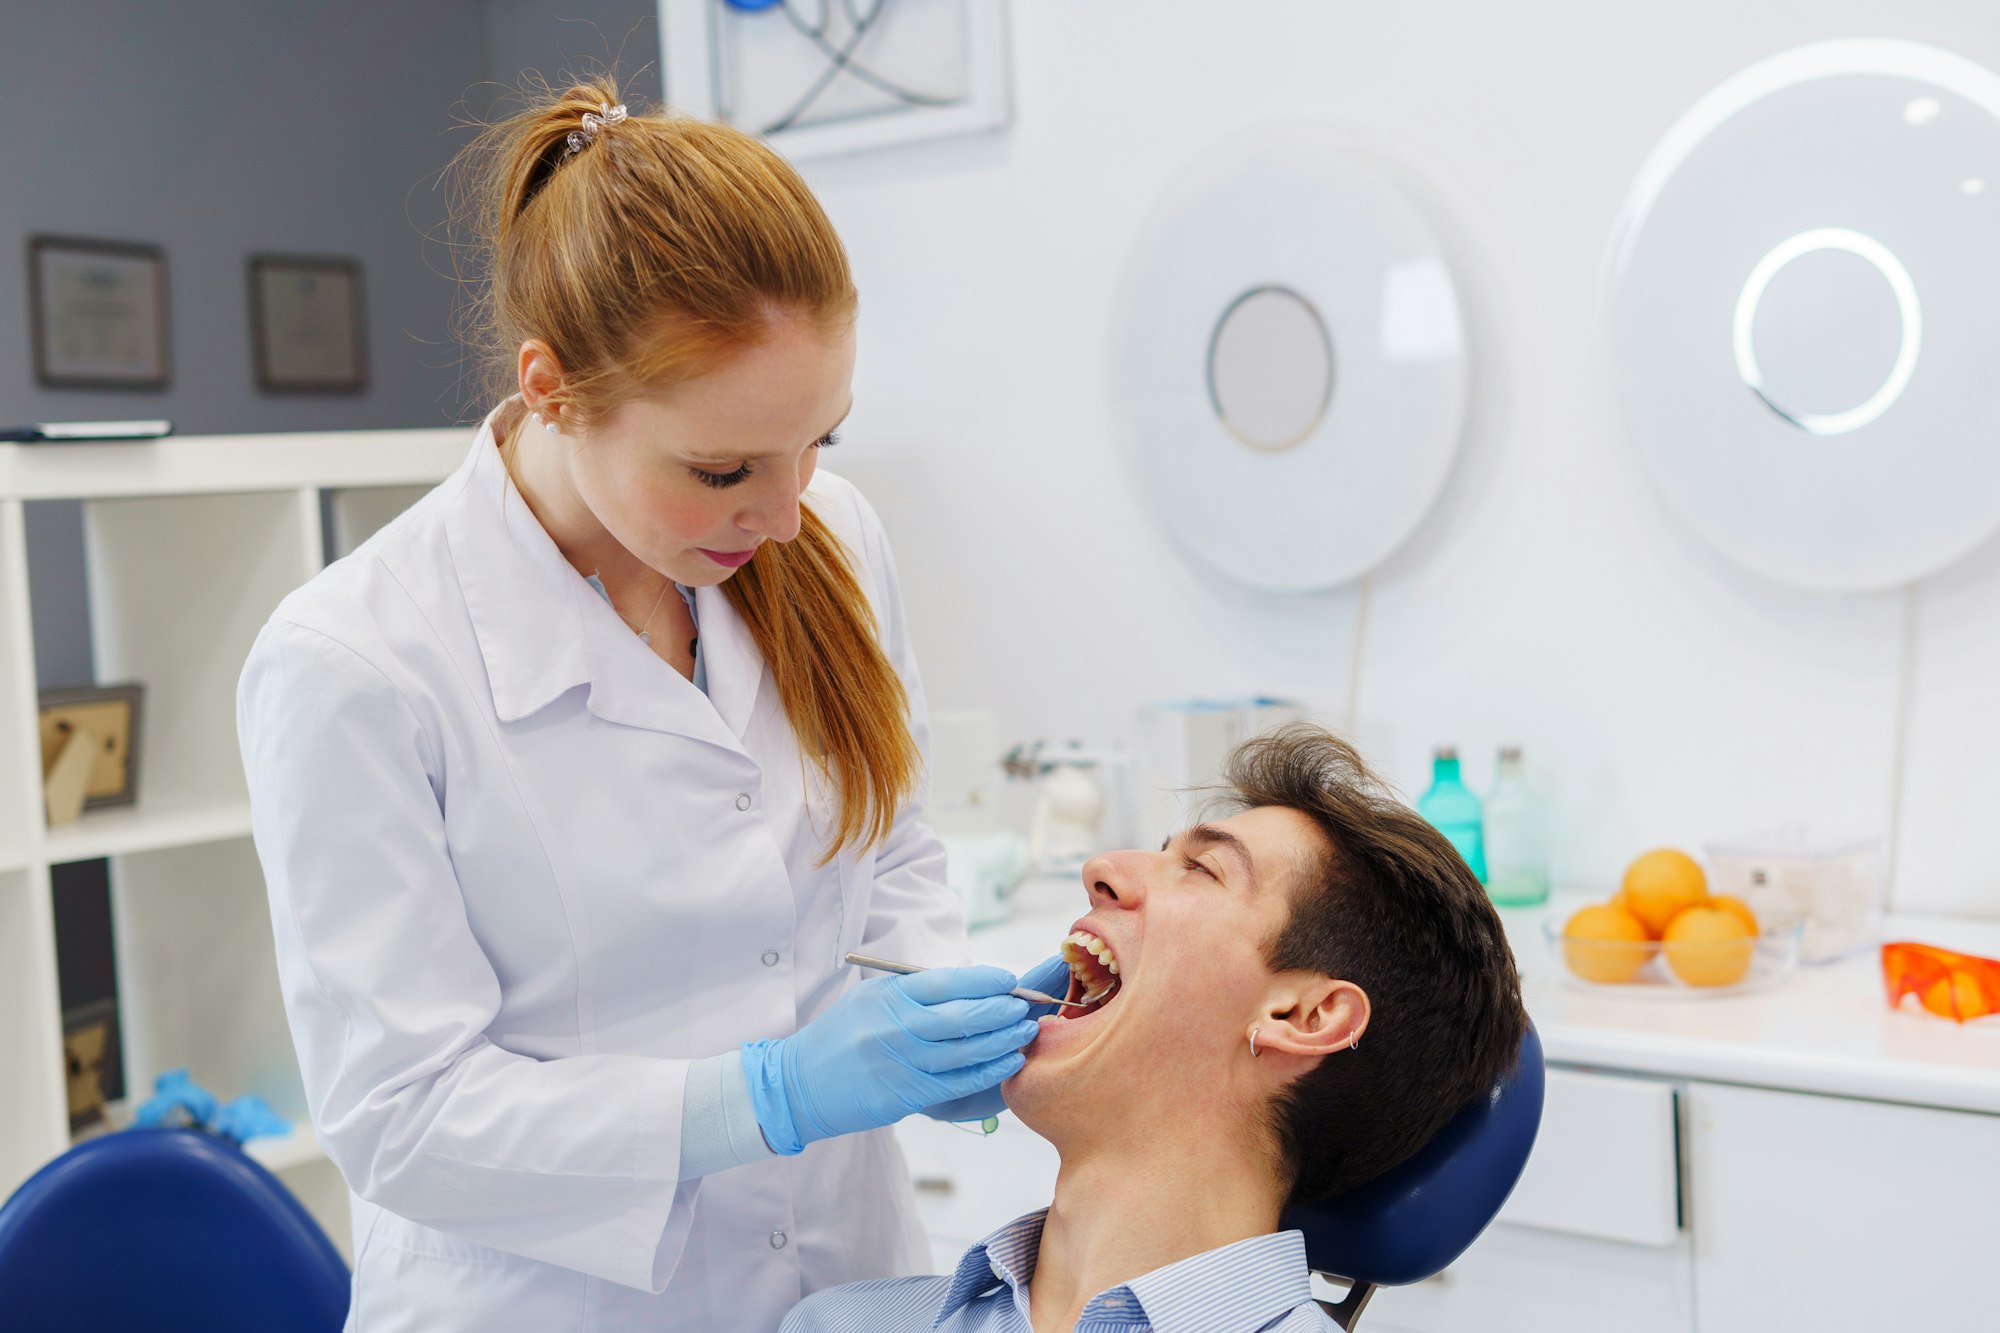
(1204, 836)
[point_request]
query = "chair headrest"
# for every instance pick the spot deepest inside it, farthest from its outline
(1413, 1221)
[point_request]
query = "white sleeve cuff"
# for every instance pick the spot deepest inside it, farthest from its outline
(718, 1120)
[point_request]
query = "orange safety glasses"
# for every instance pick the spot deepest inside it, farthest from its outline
(1951, 985)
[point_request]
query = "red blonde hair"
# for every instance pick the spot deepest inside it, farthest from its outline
(661, 248)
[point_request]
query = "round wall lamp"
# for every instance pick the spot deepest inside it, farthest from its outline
(1289, 356)
(1802, 291)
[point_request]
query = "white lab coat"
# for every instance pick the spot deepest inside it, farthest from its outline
(521, 873)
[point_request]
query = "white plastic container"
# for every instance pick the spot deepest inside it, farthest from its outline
(1182, 746)
(1833, 885)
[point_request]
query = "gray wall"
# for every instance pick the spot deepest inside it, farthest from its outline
(228, 127)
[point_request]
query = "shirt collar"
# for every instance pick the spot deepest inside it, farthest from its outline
(1007, 1256)
(1264, 1277)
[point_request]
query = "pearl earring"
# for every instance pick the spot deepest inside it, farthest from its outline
(550, 427)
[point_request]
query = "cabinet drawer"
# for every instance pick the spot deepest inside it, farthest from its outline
(1525, 1280)
(969, 1185)
(1605, 1163)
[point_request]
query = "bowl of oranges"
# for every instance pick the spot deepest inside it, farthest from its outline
(1664, 933)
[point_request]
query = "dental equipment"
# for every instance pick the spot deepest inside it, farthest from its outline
(911, 969)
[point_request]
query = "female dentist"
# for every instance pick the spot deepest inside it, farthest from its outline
(575, 784)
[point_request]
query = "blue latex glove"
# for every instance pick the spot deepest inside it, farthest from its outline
(887, 1048)
(177, 1100)
(248, 1117)
(1050, 978)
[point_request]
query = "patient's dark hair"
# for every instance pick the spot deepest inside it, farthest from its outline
(1389, 905)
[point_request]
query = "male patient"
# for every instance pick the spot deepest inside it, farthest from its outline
(1294, 999)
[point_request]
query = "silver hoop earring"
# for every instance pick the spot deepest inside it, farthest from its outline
(1253, 1043)
(1354, 1042)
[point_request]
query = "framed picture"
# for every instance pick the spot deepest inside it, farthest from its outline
(98, 313)
(306, 324)
(90, 748)
(818, 77)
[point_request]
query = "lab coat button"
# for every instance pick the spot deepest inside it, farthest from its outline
(770, 958)
(777, 1240)
(743, 800)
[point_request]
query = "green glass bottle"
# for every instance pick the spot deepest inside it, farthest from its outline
(1452, 809)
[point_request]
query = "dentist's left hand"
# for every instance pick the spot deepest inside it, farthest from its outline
(887, 1048)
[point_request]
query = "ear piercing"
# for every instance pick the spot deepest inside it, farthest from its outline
(547, 424)
(1353, 1042)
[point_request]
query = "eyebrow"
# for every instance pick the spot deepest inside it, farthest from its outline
(1204, 836)
(711, 460)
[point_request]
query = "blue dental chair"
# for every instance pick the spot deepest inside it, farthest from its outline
(165, 1230)
(1416, 1220)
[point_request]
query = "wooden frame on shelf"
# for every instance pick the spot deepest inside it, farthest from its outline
(106, 718)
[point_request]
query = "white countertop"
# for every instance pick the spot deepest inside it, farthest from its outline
(1825, 1029)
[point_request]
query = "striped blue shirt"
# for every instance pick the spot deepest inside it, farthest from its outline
(1260, 1285)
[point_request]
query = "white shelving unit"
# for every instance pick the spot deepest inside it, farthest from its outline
(191, 542)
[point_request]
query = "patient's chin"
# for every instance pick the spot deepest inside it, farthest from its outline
(1029, 1095)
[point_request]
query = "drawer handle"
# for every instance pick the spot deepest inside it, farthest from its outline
(934, 1185)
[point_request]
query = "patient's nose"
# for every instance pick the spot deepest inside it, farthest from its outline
(1115, 879)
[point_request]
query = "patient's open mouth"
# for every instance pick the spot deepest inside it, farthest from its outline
(1093, 972)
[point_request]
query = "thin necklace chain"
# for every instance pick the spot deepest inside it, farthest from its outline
(644, 637)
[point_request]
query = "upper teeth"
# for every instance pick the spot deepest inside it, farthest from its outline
(1080, 942)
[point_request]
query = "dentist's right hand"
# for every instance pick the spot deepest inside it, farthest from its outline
(889, 1047)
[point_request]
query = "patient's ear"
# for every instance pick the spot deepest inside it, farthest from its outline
(1308, 1014)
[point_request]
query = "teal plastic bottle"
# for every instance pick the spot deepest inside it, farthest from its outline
(1453, 810)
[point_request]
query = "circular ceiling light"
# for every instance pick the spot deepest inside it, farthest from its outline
(1801, 295)
(1289, 354)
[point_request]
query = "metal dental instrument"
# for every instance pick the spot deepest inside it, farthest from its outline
(911, 969)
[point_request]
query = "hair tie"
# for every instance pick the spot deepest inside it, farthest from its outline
(593, 124)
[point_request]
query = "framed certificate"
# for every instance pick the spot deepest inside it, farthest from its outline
(99, 313)
(306, 325)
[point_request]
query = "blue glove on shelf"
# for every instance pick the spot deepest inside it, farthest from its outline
(1050, 978)
(889, 1047)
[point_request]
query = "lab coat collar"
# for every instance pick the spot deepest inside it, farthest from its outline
(543, 630)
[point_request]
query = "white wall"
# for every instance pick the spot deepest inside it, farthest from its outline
(1662, 695)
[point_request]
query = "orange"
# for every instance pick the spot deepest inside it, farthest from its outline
(1709, 946)
(1604, 943)
(1659, 886)
(1737, 908)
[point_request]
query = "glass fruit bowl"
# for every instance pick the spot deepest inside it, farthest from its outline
(1685, 968)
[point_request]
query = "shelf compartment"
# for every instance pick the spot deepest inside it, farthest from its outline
(197, 975)
(178, 588)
